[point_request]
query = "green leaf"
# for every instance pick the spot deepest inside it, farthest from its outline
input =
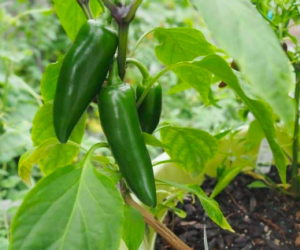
(3, 172)
(222, 134)
(152, 141)
(43, 129)
(16, 121)
(255, 134)
(258, 184)
(111, 174)
(10, 182)
(181, 44)
(199, 79)
(72, 17)
(3, 243)
(49, 80)
(13, 143)
(254, 46)
(179, 88)
(191, 147)
(259, 109)
(210, 206)
(33, 156)
(133, 228)
(75, 207)
(10, 56)
(225, 179)
(102, 159)
(180, 213)
(185, 44)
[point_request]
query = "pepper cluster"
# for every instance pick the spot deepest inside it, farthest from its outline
(84, 70)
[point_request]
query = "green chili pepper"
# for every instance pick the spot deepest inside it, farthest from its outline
(83, 72)
(119, 120)
(150, 109)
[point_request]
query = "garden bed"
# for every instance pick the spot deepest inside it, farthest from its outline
(262, 219)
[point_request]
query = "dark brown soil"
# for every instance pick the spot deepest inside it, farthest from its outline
(263, 219)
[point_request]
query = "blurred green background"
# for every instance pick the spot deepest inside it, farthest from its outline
(31, 37)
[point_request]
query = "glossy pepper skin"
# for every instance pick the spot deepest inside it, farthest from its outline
(83, 72)
(119, 120)
(150, 109)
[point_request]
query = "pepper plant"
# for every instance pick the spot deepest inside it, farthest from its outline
(282, 16)
(87, 201)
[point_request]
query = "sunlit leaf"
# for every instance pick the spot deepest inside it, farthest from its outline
(255, 134)
(258, 184)
(245, 35)
(261, 111)
(181, 44)
(185, 44)
(180, 213)
(222, 134)
(133, 228)
(179, 88)
(75, 208)
(225, 179)
(210, 206)
(33, 156)
(49, 80)
(192, 147)
(72, 17)
(43, 129)
(152, 141)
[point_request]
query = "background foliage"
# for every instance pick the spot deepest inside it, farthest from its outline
(32, 37)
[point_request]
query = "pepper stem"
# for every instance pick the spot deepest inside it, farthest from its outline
(141, 68)
(114, 78)
(295, 173)
(85, 6)
(122, 48)
(95, 147)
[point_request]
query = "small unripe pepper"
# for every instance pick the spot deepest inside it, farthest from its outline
(150, 109)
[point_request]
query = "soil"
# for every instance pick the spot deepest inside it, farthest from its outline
(263, 219)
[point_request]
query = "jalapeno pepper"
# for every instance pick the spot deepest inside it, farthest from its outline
(119, 120)
(150, 109)
(82, 74)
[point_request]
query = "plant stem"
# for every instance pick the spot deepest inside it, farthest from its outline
(123, 16)
(102, 5)
(140, 66)
(163, 162)
(139, 41)
(295, 178)
(94, 148)
(109, 5)
(85, 6)
(132, 10)
(161, 73)
(122, 48)
(160, 228)
(89, 12)
(263, 15)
